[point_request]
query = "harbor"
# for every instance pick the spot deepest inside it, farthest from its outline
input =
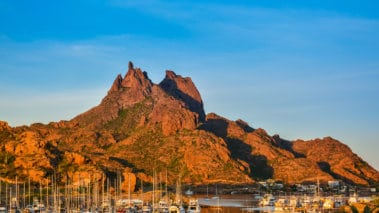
(102, 197)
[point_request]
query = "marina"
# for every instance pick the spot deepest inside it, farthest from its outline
(197, 106)
(101, 197)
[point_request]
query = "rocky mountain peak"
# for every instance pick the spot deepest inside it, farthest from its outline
(171, 74)
(133, 88)
(136, 78)
(184, 89)
(140, 126)
(130, 65)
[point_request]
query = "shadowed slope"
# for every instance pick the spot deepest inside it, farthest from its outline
(140, 126)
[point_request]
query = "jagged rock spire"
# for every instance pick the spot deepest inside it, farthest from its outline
(135, 78)
(130, 65)
(116, 84)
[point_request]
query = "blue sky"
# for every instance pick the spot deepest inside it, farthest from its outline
(300, 69)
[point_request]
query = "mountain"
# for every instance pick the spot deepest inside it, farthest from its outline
(141, 127)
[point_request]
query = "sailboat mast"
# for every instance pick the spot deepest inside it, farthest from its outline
(0, 192)
(153, 199)
(29, 188)
(47, 191)
(23, 199)
(103, 189)
(116, 186)
(108, 198)
(178, 195)
(167, 197)
(6, 193)
(40, 190)
(120, 185)
(10, 198)
(160, 185)
(89, 193)
(16, 191)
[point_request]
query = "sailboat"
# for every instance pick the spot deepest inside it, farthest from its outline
(207, 197)
(176, 209)
(37, 206)
(14, 205)
(188, 192)
(193, 206)
(163, 204)
(216, 195)
(177, 205)
(144, 206)
(3, 209)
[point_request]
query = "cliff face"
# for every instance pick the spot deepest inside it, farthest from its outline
(337, 159)
(265, 154)
(140, 127)
(185, 90)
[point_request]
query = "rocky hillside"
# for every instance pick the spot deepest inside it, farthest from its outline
(141, 127)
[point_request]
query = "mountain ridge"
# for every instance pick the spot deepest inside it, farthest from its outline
(140, 127)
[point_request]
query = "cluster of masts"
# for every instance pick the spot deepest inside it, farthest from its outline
(86, 196)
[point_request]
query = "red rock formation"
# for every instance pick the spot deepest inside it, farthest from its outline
(337, 159)
(117, 84)
(171, 114)
(185, 90)
(140, 126)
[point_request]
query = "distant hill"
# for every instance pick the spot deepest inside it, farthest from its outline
(141, 127)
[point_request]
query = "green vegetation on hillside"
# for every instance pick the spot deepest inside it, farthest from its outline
(128, 119)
